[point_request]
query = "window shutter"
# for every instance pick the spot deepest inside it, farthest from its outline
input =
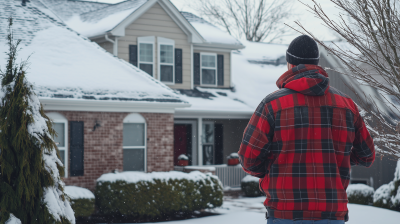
(178, 65)
(76, 148)
(220, 61)
(133, 59)
(196, 68)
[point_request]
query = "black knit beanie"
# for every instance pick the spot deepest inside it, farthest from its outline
(303, 50)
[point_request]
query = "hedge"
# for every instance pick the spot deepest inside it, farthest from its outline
(82, 200)
(360, 194)
(250, 186)
(157, 194)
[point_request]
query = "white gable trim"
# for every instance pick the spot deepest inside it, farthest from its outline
(119, 30)
(172, 11)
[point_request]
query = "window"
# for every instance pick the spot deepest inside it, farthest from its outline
(146, 54)
(166, 60)
(60, 126)
(208, 64)
(134, 143)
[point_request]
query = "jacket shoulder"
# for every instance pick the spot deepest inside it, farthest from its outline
(277, 94)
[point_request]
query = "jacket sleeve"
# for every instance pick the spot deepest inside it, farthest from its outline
(257, 137)
(363, 151)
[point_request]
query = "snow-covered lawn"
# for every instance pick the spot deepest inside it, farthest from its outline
(251, 210)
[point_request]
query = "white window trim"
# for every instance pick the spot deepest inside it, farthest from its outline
(146, 40)
(58, 118)
(201, 69)
(136, 118)
(165, 41)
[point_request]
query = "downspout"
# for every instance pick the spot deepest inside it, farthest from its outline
(115, 44)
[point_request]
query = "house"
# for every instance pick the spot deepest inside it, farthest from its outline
(108, 114)
(172, 80)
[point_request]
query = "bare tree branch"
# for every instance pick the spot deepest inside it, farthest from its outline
(371, 30)
(256, 20)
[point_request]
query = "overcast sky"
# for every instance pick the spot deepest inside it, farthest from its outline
(306, 18)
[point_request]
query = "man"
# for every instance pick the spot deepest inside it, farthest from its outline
(302, 140)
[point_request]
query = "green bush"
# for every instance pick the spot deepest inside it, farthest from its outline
(157, 194)
(250, 186)
(360, 194)
(83, 207)
(82, 200)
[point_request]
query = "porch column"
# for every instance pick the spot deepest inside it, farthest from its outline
(200, 140)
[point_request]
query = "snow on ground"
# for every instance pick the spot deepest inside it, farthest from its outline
(252, 210)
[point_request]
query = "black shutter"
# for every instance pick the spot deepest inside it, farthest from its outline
(178, 65)
(220, 61)
(76, 146)
(196, 68)
(219, 143)
(133, 59)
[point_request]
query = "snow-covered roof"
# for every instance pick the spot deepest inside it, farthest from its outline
(100, 21)
(93, 19)
(209, 32)
(252, 82)
(64, 64)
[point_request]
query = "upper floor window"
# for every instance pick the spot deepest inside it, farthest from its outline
(208, 69)
(146, 54)
(166, 60)
(60, 126)
(134, 143)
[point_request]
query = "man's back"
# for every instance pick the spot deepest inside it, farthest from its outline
(301, 142)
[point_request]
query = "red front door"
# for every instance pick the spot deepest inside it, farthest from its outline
(180, 141)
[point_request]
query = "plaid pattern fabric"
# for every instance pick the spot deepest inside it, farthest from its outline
(301, 141)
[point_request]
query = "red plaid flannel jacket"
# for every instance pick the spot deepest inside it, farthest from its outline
(301, 142)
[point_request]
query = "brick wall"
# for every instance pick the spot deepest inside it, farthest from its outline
(103, 151)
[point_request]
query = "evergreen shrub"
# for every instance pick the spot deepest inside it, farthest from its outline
(250, 186)
(388, 195)
(360, 194)
(82, 200)
(157, 194)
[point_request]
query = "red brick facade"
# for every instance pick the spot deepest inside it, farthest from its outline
(103, 147)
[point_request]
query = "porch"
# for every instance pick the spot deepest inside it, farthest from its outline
(207, 142)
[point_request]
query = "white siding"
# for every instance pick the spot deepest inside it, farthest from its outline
(156, 22)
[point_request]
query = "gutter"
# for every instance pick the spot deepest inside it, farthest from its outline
(110, 105)
(220, 46)
(115, 44)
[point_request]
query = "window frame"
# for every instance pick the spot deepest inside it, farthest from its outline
(201, 69)
(146, 40)
(135, 118)
(59, 118)
(169, 42)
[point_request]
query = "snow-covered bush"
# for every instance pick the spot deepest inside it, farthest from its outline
(82, 200)
(157, 194)
(360, 194)
(388, 195)
(250, 186)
